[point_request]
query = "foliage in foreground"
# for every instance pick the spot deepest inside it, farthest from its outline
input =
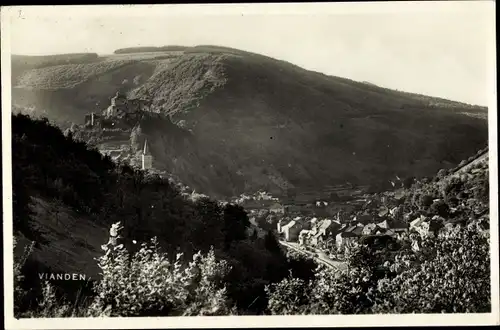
(145, 283)
(442, 271)
(148, 283)
(449, 274)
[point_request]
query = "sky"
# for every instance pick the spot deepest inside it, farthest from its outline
(440, 49)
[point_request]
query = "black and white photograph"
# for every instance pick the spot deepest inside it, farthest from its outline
(250, 165)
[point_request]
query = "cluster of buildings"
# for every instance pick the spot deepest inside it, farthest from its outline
(261, 199)
(145, 161)
(328, 233)
(120, 106)
(115, 123)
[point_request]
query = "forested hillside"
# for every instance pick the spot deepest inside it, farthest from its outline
(255, 122)
(67, 196)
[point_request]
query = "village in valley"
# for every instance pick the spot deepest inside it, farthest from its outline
(328, 231)
(327, 238)
(325, 226)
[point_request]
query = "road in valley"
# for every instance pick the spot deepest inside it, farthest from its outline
(320, 256)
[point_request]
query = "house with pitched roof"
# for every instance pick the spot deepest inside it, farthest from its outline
(292, 230)
(364, 218)
(370, 229)
(347, 238)
(383, 241)
(323, 230)
(304, 237)
(426, 226)
(281, 224)
(399, 227)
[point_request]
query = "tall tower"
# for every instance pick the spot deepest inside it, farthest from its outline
(147, 158)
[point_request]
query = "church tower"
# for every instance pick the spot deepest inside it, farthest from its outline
(147, 158)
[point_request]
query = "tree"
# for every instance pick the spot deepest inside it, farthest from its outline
(456, 279)
(271, 243)
(408, 182)
(448, 273)
(236, 223)
(149, 284)
(135, 136)
(440, 208)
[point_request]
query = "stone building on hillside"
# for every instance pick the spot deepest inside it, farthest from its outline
(121, 106)
(147, 158)
(139, 104)
(92, 120)
(118, 105)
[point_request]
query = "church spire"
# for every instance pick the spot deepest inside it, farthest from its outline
(145, 151)
(147, 158)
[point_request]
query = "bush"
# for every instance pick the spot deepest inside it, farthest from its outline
(148, 283)
(441, 173)
(426, 201)
(448, 273)
(440, 208)
(19, 292)
(452, 187)
(455, 279)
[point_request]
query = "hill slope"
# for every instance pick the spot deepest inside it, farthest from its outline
(66, 196)
(252, 122)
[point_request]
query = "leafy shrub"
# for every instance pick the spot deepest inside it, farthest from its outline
(448, 273)
(452, 186)
(440, 208)
(426, 201)
(441, 173)
(148, 283)
(19, 292)
(288, 296)
(455, 279)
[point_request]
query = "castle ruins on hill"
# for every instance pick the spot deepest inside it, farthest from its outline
(114, 125)
(119, 108)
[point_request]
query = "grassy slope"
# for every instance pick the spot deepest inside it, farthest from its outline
(70, 241)
(261, 123)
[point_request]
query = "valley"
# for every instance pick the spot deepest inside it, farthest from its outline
(254, 163)
(235, 122)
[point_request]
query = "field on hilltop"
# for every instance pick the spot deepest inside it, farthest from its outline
(247, 122)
